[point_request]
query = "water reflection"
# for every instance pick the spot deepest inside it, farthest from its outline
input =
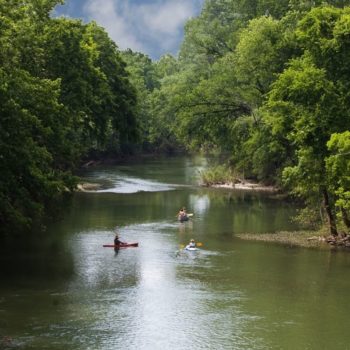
(118, 182)
(185, 227)
(200, 204)
(64, 290)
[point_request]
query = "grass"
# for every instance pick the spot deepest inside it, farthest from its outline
(292, 238)
(220, 174)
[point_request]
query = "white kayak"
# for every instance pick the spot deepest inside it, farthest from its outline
(191, 248)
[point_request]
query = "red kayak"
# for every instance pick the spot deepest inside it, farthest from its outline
(125, 245)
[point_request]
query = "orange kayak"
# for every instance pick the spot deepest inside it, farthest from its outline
(125, 245)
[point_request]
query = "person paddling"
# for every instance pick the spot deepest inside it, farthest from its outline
(182, 215)
(192, 244)
(117, 241)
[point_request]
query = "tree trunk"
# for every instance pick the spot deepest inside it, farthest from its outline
(330, 216)
(345, 217)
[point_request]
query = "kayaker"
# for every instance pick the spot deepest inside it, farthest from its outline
(192, 244)
(182, 215)
(117, 241)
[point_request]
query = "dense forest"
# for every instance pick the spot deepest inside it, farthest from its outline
(262, 83)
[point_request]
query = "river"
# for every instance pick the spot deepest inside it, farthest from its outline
(63, 290)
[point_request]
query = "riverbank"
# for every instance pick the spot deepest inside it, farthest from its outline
(222, 176)
(88, 187)
(307, 239)
(246, 185)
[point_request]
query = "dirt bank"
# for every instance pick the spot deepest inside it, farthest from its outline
(308, 239)
(246, 185)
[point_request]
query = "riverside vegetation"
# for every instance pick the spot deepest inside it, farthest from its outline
(265, 83)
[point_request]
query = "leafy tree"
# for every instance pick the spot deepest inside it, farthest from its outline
(162, 123)
(305, 6)
(142, 70)
(209, 36)
(30, 149)
(32, 141)
(307, 108)
(152, 81)
(144, 79)
(95, 85)
(63, 90)
(338, 170)
(166, 66)
(260, 54)
(207, 111)
(222, 109)
(119, 102)
(165, 130)
(216, 31)
(257, 8)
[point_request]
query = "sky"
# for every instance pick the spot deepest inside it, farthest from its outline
(153, 27)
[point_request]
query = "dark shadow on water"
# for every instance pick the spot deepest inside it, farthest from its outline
(27, 259)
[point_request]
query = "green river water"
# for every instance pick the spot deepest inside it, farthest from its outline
(63, 290)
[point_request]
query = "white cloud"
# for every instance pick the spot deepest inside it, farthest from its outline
(151, 26)
(116, 20)
(166, 17)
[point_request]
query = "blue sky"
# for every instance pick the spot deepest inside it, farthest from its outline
(154, 27)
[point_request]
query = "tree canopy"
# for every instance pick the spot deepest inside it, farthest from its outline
(64, 92)
(266, 83)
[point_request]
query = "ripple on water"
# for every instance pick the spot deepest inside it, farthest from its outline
(147, 298)
(121, 184)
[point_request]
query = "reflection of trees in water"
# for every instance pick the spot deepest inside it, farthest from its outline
(244, 211)
(38, 257)
(107, 210)
(199, 203)
(186, 227)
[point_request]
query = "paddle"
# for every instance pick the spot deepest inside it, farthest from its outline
(198, 244)
(124, 245)
(189, 215)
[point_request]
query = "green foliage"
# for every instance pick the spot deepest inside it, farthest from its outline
(304, 6)
(265, 82)
(153, 82)
(304, 109)
(144, 78)
(259, 54)
(263, 155)
(218, 104)
(166, 66)
(220, 174)
(163, 124)
(209, 36)
(268, 83)
(338, 168)
(309, 218)
(31, 174)
(207, 111)
(95, 86)
(308, 103)
(117, 105)
(64, 90)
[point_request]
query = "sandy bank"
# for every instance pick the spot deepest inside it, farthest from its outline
(246, 185)
(88, 187)
(306, 239)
